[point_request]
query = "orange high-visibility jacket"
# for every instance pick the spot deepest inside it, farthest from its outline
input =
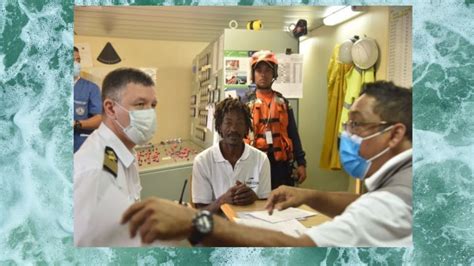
(272, 118)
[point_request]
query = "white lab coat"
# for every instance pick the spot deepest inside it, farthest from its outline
(100, 198)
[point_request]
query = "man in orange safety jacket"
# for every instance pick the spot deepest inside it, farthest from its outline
(274, 126)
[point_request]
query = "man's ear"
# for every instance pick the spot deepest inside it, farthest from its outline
(397, 134)
(109, 108)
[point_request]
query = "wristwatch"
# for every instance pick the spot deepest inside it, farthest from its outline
(203, 224)
(77, 124)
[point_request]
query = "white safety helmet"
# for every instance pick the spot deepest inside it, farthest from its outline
(345, 52)
(365, 53)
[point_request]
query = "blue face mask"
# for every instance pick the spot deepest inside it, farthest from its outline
(77, 69)
(349, 150)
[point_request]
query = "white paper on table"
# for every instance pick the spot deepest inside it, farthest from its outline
(290, 227)
(244, 215)
(107, 230)
(280, 216)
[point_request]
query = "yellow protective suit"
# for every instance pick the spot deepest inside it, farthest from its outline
(355, 78)
(336, 91)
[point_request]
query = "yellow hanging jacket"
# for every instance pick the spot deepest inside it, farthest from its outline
(354, 80)
(336, 90)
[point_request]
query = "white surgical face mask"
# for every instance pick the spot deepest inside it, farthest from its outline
(142, 125)
(77, 69)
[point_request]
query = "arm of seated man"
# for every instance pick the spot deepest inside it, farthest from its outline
(156, 218)
(215, 206)
(328, 203)
(228, 234)
(243, 195)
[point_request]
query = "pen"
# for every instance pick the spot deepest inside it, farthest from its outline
(182, 192)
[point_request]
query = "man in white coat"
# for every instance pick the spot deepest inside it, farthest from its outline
(106, 177)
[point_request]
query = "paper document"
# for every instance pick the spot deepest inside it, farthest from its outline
(280, 216)
(290, 227)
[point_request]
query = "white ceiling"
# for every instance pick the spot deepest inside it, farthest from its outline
(198, 24)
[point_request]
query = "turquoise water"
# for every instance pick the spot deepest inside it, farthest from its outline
(36, 145)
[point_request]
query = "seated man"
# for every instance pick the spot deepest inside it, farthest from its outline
(230, 171)
(376, 147)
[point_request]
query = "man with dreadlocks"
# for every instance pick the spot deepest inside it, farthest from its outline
(230, 171)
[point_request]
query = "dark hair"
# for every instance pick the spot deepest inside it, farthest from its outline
(75, 49)
(393, 103)
(117, 80)
(230, 105)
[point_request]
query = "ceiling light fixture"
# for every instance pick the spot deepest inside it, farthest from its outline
(342, 15)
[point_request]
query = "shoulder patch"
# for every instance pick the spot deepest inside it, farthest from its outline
(110, 161)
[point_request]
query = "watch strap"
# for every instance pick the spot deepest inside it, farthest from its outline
(77, 124)
(197, 235)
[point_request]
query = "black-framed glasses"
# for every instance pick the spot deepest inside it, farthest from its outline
(355, 126)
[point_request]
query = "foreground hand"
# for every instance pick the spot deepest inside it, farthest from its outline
(156, 218)
(284, 197)
(244, 195)
(301, 174)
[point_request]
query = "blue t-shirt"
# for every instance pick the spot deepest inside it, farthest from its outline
(87, 103)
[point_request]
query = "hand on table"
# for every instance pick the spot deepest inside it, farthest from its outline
(284, 197)
(243, 195)
(156, 218)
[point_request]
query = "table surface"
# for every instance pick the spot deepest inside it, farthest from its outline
(230, 212)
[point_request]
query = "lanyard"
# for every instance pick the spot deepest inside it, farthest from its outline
(270, 111)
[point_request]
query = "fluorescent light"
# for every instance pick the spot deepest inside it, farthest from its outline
(331, 9)
(341, 15)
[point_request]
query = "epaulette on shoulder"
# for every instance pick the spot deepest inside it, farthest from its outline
(110, 161)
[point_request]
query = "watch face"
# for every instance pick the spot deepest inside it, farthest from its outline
(204, 224)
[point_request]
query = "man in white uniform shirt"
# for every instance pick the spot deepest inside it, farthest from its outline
(376, 147)
(230, 171)
(106, 177)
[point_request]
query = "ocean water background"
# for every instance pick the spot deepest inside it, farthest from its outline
(36, 39)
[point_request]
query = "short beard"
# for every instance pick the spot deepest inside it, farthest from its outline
(265, 88)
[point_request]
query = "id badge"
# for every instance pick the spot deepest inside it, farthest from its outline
(269, 137)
